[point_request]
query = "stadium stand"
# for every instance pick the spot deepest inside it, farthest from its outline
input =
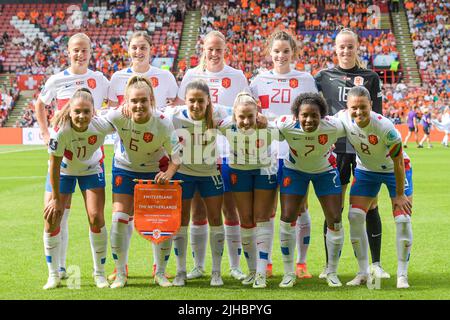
(248, 24)
(39, 33)
(430, 32)
(33, 38)
(8, 99)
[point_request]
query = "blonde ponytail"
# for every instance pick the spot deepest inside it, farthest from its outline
(243, 99)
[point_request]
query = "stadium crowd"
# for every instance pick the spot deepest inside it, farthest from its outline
(48, 57)
(246, 25)
(429, 27)
(8, 99)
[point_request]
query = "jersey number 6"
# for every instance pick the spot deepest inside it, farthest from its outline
(133, 147)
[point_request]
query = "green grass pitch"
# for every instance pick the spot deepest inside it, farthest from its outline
(23, 270)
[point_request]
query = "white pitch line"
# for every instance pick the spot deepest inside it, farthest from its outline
(33, 177)
(22, 150)
(21, 177)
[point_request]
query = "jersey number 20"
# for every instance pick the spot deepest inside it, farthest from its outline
(281, 96)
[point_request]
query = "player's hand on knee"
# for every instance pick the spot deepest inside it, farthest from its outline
(53, 211)
(402, 203)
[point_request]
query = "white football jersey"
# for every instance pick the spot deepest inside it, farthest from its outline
(276, 92)
(81, 151)
(224, 86)
(310, 152)
(249, 150)
(372, 143)
(163, 83)
(63, 85)
(199, 146)
(142, 146)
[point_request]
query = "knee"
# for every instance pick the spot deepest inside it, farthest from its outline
(198, 213)
(230, 215)
(356, 216)
(335, 218)
(96, 220)
(246, 221)
(215, 221)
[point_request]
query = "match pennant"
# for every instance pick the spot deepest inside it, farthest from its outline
(157, 209)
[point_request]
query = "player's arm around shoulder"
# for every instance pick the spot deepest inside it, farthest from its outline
(339, 126)
(283, 124)
(173, 146)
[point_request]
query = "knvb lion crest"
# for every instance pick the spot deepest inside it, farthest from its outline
(92, 140)
(92, 83)
(148, 137)
(293, 83)
(154, 81)
(323, 139)
(226, 83)
(373, 139)
(358, 81)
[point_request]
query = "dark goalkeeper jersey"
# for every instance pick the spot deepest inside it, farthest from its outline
(335, 84)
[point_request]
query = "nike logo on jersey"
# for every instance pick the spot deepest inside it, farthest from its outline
(125, 129)
(296, 138)
(270, 82)
(68, 85)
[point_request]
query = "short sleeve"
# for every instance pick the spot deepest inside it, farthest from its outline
(279, 124)
(171, 144)
(311, 85)
(182, 90)
(340, 129)
(224, 125)
(254, 87)
(173, 86)
(391, 136)
(112, 93)
(48, 93)
(244, 85)
(105, 86)
(104, 126)
(56, 144)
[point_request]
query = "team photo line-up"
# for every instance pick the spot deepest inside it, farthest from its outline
(239, 148)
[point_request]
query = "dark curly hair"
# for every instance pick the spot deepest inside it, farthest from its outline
(310, 98)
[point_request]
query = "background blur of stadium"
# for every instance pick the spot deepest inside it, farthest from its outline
(405, 42)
